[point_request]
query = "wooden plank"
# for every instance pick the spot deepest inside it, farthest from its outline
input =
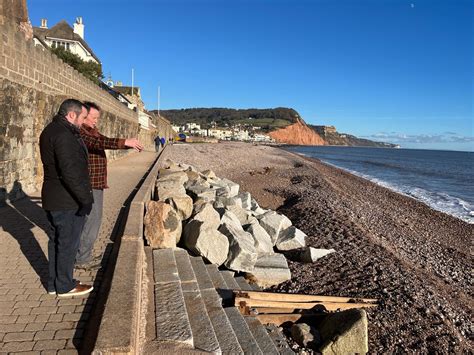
(330, 306)
(279, 319)
(292, 297)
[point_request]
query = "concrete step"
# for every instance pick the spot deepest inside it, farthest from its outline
(244, 285)
(229, 280)
(203, 332)
(202, 276)
(260, 334)
(279, 339)
(246, 339)
(172, 321)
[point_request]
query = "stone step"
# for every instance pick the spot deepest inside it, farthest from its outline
(219, 283)
(244, 285)
(228, 341)
(278, 339)
(223, 330)
(172, 321)
(230, 280)
(246, 339)
(202, 276)
(203, 332)
(260, 334)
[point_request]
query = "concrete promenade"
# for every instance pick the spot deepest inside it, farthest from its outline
(31, 321)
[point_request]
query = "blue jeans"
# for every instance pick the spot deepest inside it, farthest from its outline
(91, 228)
(62, 249)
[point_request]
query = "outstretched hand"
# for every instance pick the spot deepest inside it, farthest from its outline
(134, 143)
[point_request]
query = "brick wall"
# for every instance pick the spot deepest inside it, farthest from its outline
(33, 83)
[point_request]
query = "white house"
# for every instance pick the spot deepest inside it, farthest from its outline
(63, 35)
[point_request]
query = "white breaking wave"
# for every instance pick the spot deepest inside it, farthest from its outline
(438, 201)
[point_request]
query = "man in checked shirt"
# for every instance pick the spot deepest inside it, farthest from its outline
(96, 144)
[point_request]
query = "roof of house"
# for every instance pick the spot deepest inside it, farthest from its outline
(127, 90)
(61, 30)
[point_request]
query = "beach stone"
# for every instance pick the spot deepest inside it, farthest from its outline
(262, 241)
(305, 335)
(291, 238)
(204, 240)
(274, 223)
(205, 213)
(311, 255)
(269, 270)
(209, 174)
(167, 189)
(233, 187)
(179, 178)
(162, 225)
(242, 254)
(242, 215)
(202, 192)
(344, 333)
(182, 204)
(246, 199)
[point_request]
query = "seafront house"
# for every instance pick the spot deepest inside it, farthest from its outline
(63, 35)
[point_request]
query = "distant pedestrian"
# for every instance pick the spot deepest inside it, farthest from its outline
(96, 144)
(163, 141)
(66, 195)
(157, 143)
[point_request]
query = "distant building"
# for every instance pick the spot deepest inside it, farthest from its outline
(63, 35)
(132, 94)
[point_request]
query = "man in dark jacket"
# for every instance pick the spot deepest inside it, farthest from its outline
(66, 195)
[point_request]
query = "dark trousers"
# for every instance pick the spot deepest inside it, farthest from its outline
(62, 249)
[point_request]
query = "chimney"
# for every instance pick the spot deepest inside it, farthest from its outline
(44, 23)
(79, 27)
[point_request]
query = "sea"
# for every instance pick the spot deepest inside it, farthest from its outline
(443, 180)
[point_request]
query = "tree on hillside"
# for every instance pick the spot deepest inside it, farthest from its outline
(91, 70)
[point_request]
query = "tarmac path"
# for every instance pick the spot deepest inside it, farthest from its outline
(31, 321)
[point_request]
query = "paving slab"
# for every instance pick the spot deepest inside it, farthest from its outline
(265, 343)
(279, 340)
(230, 280)
(164, 266)
(202, 276)
(244, 285)
(185, 271)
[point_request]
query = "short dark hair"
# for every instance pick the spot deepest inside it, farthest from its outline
(89, 105)
(70, 105)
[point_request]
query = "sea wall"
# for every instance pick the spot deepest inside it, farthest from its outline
(33, 83)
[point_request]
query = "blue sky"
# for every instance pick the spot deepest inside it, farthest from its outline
(392, 70)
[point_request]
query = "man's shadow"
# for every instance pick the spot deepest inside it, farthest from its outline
(18, 217)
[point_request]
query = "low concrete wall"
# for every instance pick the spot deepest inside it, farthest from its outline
(119, 331)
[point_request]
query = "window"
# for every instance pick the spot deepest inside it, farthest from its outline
(54, 44)
(67, 46)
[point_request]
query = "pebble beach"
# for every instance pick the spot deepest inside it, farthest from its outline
(414, 260)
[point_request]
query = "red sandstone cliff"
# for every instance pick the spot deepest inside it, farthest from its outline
(297, 133)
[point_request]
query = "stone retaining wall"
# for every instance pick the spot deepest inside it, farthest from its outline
(33, 83)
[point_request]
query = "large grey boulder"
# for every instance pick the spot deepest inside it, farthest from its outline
(179, 177)
(229, 201)
(205, 213)
(233, 187)
(269, 270)
(167, 189)
(274, 223)
(162, 225)
(205, 240)
(242, 254)
(246, 199)
(230, 218)
(262, 241)
(183, 204)
(344, 333)
(201, 192)
(311, 255)
(242, 215)
(291, 238)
